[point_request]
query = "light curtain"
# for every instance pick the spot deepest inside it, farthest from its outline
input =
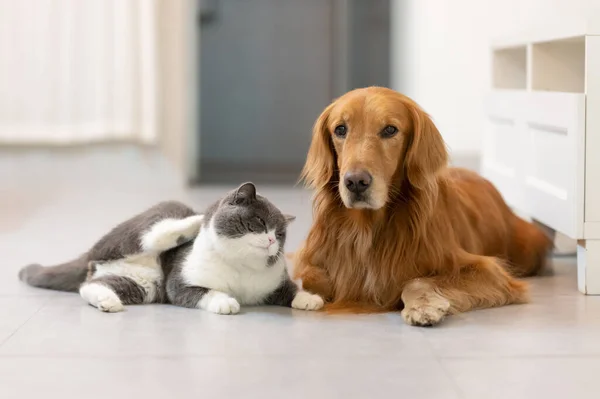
(77, 71)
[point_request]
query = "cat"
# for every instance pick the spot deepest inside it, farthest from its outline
(231, 255)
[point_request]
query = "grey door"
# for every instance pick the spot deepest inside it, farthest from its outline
(266, 74)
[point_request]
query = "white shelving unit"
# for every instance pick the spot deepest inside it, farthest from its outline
(542, 136)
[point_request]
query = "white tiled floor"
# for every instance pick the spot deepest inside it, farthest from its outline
(54, 346)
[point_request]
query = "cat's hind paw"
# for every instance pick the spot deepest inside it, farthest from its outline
(101, 297)
(307, 301)
(220, 303)
(111, 305)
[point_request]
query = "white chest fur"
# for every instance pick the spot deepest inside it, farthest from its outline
(245, 278)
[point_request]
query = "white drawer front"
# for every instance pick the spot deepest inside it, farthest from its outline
(554, 177)
(504, 144)
(545, 149)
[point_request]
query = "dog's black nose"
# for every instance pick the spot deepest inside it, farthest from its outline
(357, 182)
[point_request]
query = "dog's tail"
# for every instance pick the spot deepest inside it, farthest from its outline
(529, 249)
(63, 277)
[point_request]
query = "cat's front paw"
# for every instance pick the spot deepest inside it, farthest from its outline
(221, 303)
(307, 301)
(191, 226)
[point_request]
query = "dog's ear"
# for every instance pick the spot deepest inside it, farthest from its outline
(426, 153)
(320, 161)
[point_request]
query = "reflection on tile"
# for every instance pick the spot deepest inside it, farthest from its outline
(218, 377)
(70, 327)
(526, 378)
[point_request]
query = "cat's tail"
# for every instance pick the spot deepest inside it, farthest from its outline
(64, 277)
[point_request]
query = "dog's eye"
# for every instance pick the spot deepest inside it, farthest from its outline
(389, 131)
(340, 131)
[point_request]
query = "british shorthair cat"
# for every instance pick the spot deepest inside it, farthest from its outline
(231, 255)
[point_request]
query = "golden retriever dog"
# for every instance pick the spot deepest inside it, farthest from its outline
(396, 228)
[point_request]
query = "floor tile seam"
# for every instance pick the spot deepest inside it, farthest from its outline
(201, 356)
(27, 296)
(459, 392)
(16, 330)
(595, 355)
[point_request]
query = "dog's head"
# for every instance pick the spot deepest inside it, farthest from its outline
(371, 141)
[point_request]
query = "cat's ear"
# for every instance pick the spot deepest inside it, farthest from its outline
(289, 219)
(244, 193)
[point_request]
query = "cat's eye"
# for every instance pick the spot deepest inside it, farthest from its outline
(279, 234)
(341, 131)
(389, 131)
(261, 221)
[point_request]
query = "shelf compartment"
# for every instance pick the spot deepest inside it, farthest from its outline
(558, 65)
(510, 68)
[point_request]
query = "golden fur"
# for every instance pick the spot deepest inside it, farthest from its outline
(435, 239)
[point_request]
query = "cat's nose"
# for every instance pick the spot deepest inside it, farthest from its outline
(271, 241)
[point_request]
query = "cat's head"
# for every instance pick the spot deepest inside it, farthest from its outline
(250, 225)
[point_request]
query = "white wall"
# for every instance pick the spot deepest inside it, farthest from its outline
(75, 71)
(178, 42)
(441, 54)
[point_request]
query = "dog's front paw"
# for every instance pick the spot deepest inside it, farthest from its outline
(306, 301)
(221, 303)
(425, 311)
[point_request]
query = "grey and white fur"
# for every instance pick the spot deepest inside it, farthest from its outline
(231, 255)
